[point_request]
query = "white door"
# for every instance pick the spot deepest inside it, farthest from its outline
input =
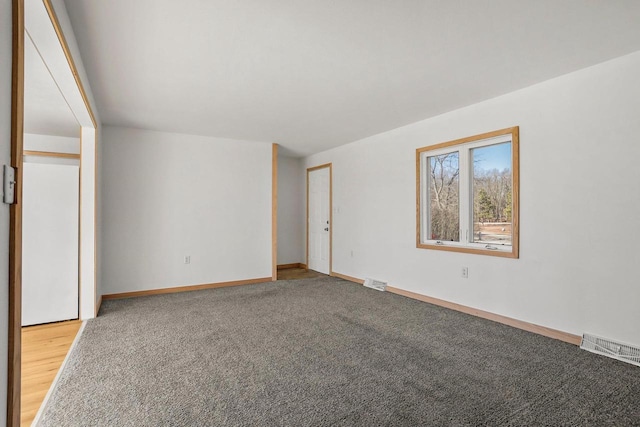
(318, 220)
(49, 243)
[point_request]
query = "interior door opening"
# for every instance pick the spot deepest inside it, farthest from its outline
(319, 218)
(38, 33)
(50, 243)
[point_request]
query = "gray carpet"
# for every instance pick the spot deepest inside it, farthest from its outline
(324, 352)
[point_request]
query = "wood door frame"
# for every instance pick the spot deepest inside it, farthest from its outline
(309, 170)
(274, 212)
(15, 224)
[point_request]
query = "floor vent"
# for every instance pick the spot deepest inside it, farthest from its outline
(620, 351)
(375, 284)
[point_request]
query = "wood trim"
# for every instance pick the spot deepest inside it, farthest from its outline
(326, 165)
(519, 324)
(330, 166)
(274, 212)
(80, 231)
(15, 226)
(467, 250)
(67, 53)
(189, 288)
(515, 209)
(51, 154)
(473, 138)
(52, 325)
(345, 277)
(418, 201)
(330, 218)
(307, 222)
(530, 327)
(290, 266)
(515, 192)
(95, 223)
(98, 305)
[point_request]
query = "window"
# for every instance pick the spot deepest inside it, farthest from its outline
(467, 195)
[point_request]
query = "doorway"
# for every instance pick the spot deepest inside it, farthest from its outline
(36, 22)
(319, 218)
(50, 197)
(49, 243)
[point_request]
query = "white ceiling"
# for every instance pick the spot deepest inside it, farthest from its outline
(315, 74)
(46, 112)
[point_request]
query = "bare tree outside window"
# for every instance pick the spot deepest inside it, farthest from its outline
(444, 197)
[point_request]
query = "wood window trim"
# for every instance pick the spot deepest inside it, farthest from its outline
(514, 132)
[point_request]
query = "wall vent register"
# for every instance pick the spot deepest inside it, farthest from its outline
(375, 284)
(610, 348)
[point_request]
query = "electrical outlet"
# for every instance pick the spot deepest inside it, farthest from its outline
(465, 272)
(187, 259)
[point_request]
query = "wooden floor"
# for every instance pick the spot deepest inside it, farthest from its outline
(297, 273)
(44, 348)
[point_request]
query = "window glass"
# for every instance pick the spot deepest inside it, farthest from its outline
(492, 194)
(444, 191)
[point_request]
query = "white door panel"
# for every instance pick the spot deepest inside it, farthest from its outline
(319, 217)
(49, 243)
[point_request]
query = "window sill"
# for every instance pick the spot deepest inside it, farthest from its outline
(467, 250)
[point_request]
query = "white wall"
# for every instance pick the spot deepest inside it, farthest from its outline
(50, 214)
(98, 217)
(5, 159)
(88, 246)
(72, 43)
(59, 144)
(168, 195)
(291, 216)
(579, 206)
(38, 25)
(57, 64)
(88, 223)
(55, 144)
(43, 35)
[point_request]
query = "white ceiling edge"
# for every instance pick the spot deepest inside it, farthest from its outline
(315, 75)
